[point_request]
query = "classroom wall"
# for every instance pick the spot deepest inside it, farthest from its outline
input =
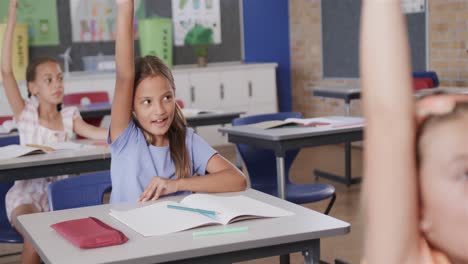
(266, 39)
(448, 42)
(448, 20)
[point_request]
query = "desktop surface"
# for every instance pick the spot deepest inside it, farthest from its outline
(265, 236)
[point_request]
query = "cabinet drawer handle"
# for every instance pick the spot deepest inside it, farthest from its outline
(221, 91)
(250, 89)
(192, 94)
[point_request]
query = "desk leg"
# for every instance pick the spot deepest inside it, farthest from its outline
(280, 174)
(238, 159)
(348, 163)
(284, 259)
(312, 254)
(347, 179)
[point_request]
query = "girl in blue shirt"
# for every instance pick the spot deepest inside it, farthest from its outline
(153, 151)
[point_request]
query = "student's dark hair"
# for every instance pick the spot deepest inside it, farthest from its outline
(153, 66)
(460, 111)
(31, 72)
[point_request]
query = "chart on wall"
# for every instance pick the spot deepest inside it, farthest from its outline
(413, 6)
(41, 17)
(95, 20)
(196, 22)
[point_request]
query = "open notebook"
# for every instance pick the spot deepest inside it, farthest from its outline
(13, 151)
(332, 121)
(158, 219)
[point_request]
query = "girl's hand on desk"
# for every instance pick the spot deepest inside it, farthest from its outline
(158, 186)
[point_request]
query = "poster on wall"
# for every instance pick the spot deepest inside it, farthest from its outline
(41, 17)
(196, 22)
(95, 20)
(413, 6)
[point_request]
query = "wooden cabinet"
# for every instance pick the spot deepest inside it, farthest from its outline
(250, 88)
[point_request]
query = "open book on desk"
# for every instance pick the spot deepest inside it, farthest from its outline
(332, 121)
(8, 126)
(13, 151)
(159, 219)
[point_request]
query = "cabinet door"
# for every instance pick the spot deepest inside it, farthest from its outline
(259, 108)
(205, 87)
(233, 89)
(183, 90)
(262, 85)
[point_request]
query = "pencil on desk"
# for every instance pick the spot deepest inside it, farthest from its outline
(221, 231)
(191, 209)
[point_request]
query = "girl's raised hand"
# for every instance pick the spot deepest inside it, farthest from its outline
(437, 105)
(158, 186)
(124, 1)
(13, 4)
(12, 10)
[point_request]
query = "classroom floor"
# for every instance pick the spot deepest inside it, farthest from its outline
(347, 206)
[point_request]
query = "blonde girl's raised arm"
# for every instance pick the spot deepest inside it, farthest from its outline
(125, 69)
(9, 82)
(390, 184)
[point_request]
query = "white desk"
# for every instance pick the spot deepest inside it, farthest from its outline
(54, 164)
(265, 237)
(281, 140)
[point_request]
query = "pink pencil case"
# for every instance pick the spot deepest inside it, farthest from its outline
(89, 232)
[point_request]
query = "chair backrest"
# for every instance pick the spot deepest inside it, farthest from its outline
(9, 140)
(85, 98)
(261, 163)
(422, 83)
(428, 74)
(79, 191)
(4, 187)
(180, 103)
(7, 233)
(5, 118)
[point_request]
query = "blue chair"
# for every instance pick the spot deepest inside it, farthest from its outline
(79, 191)
(427, 74)
(260, 164)
(9, 140)
(7, 233)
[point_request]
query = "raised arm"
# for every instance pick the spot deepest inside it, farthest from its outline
(9, 82)
(390, 186)
(125, 69)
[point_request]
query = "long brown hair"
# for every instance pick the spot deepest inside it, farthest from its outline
(153, 66)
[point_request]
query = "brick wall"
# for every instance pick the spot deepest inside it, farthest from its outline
(448, 41)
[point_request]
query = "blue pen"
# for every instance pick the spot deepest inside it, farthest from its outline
(191, 209)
